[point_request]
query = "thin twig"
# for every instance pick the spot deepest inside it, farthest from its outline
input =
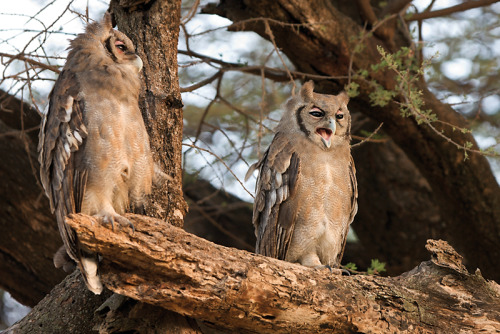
(201, 83)
(22, 57)
(222, 161)
(218, 226)
(368, 139)
(450, 10)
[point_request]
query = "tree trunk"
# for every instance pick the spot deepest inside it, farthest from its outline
(68, 309)
(244, 292)
(71, 308)
(397, 207)
(316, 35)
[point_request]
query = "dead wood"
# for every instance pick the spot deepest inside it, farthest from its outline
(165, 266)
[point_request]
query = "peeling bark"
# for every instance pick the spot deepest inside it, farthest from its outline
(165, 266)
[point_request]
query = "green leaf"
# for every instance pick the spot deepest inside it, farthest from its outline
(352, 89)
(351, 266)
(376, 267)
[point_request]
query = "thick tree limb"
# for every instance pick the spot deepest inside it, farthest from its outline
(165, 266)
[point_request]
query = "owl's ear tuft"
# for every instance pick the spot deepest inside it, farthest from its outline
(106, 22)
(344, 97)
(306, 92)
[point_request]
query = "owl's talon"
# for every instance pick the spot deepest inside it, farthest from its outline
(108, 219)
(345, 272)
(334, 271)
(122, 221)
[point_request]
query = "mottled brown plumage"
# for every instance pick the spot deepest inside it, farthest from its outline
(94, 149)
(306, 193)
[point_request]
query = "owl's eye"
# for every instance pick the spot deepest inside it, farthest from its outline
(316, 112)
(120, 45)
(339, 116)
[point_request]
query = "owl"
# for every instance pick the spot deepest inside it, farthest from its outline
(306, 191)
(93, 146)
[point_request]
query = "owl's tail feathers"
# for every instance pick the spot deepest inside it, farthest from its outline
(251, 169)
(88, 267)
(62, 260)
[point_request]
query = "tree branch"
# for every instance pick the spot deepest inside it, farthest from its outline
(272, 73)
(165, 266)
(22, 57)
(450, 10)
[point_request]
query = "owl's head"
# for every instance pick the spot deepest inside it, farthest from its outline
(100, 39)
(322, 118)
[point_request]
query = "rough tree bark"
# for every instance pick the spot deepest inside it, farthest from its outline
(248, 293)
(465, 190)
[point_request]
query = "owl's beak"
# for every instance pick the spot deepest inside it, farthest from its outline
(138, 63)
(327, 132)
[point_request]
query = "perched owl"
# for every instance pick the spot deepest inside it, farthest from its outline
(93, 146)
(306, 192)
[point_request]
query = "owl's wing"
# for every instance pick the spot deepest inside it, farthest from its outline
(62, 134)
(354, 186)
(354, 205)
(273, 216)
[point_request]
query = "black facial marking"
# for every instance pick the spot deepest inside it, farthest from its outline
(109, 47)
(300, 121)
(348, 132)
